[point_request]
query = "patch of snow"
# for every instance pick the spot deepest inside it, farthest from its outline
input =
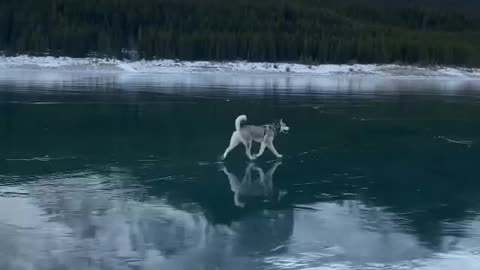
(172, 66)
(127, 67)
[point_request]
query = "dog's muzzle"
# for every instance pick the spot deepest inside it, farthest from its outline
(284, 130)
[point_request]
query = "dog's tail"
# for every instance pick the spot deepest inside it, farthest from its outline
(239, 120)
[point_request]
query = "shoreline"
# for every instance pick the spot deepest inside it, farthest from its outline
(24, 62)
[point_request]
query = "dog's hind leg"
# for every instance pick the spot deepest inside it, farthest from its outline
(234, 141)
(248, 149)
(262, 149)
(274, 151)
(263, 144)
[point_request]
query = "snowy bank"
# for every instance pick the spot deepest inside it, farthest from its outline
(172, 66)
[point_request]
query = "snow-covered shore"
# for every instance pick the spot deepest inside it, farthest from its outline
(172, 66)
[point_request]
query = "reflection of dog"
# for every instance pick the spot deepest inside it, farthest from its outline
(259, 187)
(261, 134)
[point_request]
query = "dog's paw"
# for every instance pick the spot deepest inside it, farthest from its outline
(279, 156)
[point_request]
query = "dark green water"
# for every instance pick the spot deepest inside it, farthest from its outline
(111, 171)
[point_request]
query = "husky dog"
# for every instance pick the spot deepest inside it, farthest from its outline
(261, 134)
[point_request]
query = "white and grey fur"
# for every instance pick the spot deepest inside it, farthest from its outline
(264, 135)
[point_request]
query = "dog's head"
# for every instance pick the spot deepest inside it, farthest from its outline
(281, 126)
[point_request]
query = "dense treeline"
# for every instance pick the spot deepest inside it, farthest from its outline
(313, 31)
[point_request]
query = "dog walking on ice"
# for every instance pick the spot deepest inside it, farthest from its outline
(262, 134)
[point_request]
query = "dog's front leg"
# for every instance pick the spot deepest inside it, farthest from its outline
(274, 151)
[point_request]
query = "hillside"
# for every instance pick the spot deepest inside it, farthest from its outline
(309, 31)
